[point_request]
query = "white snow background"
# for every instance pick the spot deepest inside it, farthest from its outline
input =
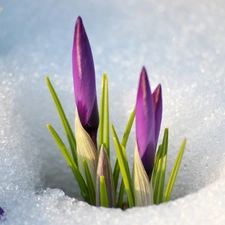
(182, 45)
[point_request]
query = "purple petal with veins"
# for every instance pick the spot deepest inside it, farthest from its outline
(84, 80)
(157, 101)
(145, 123)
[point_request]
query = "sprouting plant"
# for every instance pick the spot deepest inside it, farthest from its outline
(89, 158)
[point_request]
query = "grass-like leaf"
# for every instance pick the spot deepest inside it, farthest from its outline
(65, 123)
(124, 168)
(90, 185)
(70, 162)
(116, 171)
(121, 194)
(103, 192)
(156, 162)
(103, 137)
(161, 170)
(174, 172)
(116, 174)
(128, 129)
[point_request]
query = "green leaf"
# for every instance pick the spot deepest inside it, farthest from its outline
(124, 168)
(70, 162)
(156, 163)
(90, 185)
(103, 192)
(116, 171)
(104, 117)
(116, 174)
(65, 123)
(121, 194)
(128, 129)
(174, 172)
(161, 170)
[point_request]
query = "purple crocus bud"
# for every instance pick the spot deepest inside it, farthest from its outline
(84, 81)
(148, 121)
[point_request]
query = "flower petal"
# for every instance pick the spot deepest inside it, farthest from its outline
(157, 101)
(84, 76)
(144, 114)
(92, 125)
(145, 123)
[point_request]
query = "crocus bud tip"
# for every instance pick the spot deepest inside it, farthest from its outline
(143, 72)
(79, 20)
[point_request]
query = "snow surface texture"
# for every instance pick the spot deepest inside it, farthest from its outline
(182, 45)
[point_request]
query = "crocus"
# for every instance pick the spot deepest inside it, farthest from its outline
(87, 119)
(84, 81)
(148, 121)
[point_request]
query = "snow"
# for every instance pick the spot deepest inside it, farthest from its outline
(181, 44)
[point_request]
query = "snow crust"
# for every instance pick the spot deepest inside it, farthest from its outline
(182, 45)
